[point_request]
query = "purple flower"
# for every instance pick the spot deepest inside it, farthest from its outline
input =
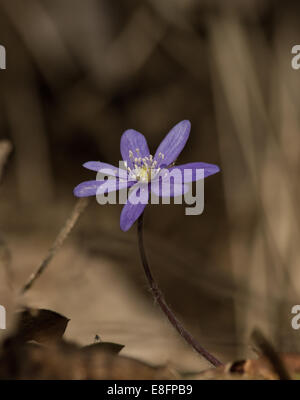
(145, 173)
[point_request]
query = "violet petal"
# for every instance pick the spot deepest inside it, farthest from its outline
(191, 174)
(132, 140)
(93, 188)
(99, 166)
(132, 210)
(87, 188)
(173, 143)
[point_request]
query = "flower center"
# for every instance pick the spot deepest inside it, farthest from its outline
(144, 169)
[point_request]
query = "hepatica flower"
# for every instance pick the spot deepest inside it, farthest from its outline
(144, 173)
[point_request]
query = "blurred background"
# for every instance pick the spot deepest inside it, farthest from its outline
(80, 73)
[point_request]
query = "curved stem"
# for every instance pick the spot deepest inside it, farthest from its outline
(78, 209)
(158, 297)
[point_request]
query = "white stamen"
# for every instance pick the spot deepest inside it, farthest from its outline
(144, 168)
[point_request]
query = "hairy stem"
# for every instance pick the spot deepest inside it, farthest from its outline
(78, 209)
(158, 297)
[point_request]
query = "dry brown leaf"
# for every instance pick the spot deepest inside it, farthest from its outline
(67, 361)
(113, 348)
(43, 326)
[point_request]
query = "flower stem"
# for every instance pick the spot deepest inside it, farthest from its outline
(158, 297)
(78, 209)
